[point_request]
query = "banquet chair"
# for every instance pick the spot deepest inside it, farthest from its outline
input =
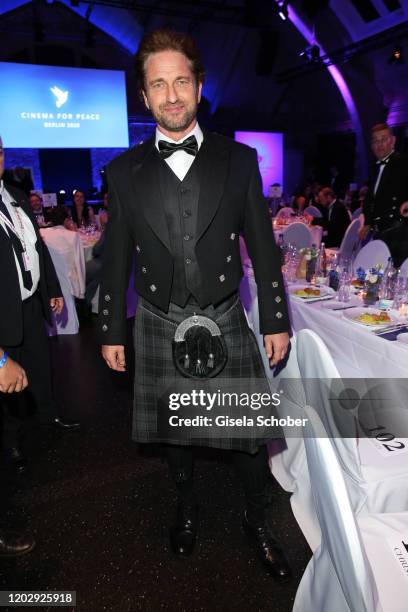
(355, 569)
(373, 253)
(375, 483)
(313, 211)
(356, 214)
(285, 212)
(351, 244)
(288, 464)
(298, 235)
(66, 322)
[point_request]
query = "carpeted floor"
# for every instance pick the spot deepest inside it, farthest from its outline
(99, 507)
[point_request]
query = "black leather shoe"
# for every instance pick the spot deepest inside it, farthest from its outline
(183, 533)
(16, 459)
(268, 550)
(14, 545)
(65, 424)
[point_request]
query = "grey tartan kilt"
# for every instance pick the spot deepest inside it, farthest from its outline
(155, 371)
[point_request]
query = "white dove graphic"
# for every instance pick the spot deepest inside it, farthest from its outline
(62, 96)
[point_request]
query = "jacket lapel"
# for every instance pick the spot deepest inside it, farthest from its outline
(147, 191)
(213, 174)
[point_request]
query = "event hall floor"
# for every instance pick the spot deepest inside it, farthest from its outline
(99, 506)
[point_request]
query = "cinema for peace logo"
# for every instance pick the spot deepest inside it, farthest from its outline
(61, 96)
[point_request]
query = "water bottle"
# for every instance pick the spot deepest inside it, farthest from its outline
(388, 282)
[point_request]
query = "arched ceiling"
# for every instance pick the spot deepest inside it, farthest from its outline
(246, 48)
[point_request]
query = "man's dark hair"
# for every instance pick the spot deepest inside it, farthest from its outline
(327, 191)
(167, 40)
(58, 215)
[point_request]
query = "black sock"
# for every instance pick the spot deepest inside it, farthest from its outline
(180, 460)
(254, 473)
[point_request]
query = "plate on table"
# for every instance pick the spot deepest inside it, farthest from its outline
(370, 317)
(311, 293)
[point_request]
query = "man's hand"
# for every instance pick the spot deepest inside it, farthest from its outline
(12, 377)
(114, 357)
(57, 304)
(276, 347)
(363, 232)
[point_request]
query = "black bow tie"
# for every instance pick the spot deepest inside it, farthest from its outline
(189, 145)
(382, 162)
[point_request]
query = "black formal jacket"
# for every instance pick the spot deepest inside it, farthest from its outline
(11, 313)
(382, 209)
(336, 226)
(230, 202)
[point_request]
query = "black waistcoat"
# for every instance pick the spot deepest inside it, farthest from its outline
(180, 203)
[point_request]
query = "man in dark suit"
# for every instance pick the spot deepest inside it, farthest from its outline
(181, 200)
(335, 219)
(29, 289)
(388, 186)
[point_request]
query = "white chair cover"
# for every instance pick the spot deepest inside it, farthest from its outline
(67, 322)
(298, 234)
(339, 577)
(373, 253)
(356, 214)
(404, 269)
(289, 465)
(375, 483)
(313, 211)
(351, 244)
(285, 212)
(361, 565)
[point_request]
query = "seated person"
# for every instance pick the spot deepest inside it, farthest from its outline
(37, 208)
(396, 237)
(299, 203)
(335, 219)
(82, 214)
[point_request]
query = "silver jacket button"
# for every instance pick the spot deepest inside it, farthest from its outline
(105, 312)
(104, 328)
(222, 278)
(153, 288)
(107, 298)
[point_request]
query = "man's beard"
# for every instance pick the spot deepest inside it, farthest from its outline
(175, 124)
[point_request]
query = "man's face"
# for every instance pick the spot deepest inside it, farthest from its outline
(404, 210)
(324, 199)
(382, 143)
(1, 159)
(35, 202)
(171, 92)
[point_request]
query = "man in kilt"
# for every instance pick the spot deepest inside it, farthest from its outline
(181, 200)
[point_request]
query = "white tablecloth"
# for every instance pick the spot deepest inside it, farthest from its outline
(68, 245)
(356, 351)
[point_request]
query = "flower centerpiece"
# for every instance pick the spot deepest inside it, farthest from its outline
(373, 279)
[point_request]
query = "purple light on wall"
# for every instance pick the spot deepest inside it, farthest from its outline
(269, 146)
(342, 87)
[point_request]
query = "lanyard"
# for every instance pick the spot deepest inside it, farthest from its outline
(11, 227)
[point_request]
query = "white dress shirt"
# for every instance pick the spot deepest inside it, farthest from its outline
(383, 163)
(180, 161)
(30, 240)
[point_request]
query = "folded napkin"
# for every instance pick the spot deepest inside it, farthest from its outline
(392, 335)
